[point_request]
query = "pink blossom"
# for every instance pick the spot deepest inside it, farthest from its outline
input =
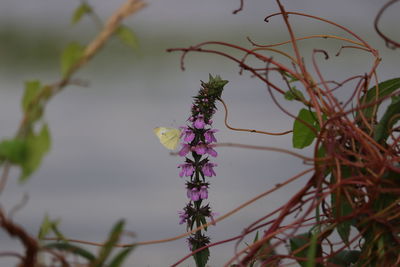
(200, 149)
(184, 150)
(199, 122)
(188, 133)
(193, 194)
(209, 135)
(183, 216)
(208, 169)
(187, 169)
(211, 152)
(203, 192)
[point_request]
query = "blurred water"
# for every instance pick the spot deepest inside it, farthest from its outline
(105, 163)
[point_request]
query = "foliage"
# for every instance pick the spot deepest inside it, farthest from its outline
(353, 191)
(27, 149)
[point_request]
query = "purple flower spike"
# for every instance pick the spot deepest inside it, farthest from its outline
(197, 147)
(209, 135)
(187, 169)
(199, 122)
(208, 169)
(184, 150)
(203, 192)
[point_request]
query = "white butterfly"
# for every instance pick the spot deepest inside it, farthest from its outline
(169, 137)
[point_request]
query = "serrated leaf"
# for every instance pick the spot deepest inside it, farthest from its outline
(32, 88)
(81, 10)
(201, 257)
(76, 250)
(345, 258)
(385, 88)
(389, 118)
(119, 259)
(303, 136)
(13, 150)
(70, 56)
(293, 94)
(127, 36)
(37, 147)
(112, 240)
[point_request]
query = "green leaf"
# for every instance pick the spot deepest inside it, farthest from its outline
(309, 248)
(55, 229)
(341, 207)
(293, 94)
(81, 10)
(255, 238)
(203, 221)
(385, 89)
(70, 56)
(303, 136)
(127, 37)
(37, 147)
(72, 249)
(290, 76)
(201, 257)
(120, 257)
(297, 242)
(46, 226)
(345, 258)
(13, 150)
(32, 89)
(312, 251)
(391, 116)
(215, 85)
(112, 240)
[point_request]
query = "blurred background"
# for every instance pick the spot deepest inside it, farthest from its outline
(105, 162)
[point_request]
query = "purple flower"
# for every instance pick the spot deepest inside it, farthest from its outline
(203, 192)
(184, 150)
(200, 149)
(189, 244)
(188, 133)
(211, 151)
(187, 169)
(209, 135)
(212, 215)
(183, 216)
(193, 194)
(199, 122)
(208, 169)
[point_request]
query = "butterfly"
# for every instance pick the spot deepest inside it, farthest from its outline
(169, 137)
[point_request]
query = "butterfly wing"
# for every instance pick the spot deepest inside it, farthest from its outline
(169, 137)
